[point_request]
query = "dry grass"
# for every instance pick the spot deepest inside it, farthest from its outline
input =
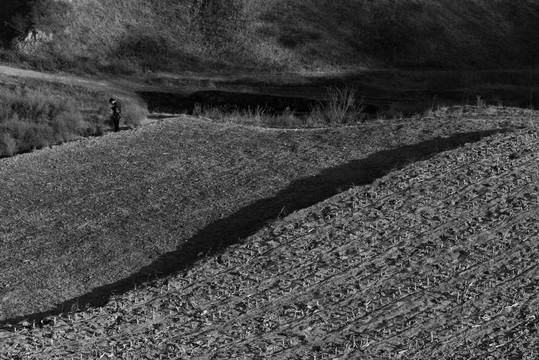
(32, 118)
(339, 107)
(283, 34)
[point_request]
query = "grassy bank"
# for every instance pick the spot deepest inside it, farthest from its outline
(35, 114)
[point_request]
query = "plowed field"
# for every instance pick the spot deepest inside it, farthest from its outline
(438, 260)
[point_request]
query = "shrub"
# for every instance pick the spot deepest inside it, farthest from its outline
(51, 16)
(69, 125)
(40, 113)
(123, 66)
(96, 122)
(341, 107)
(8, 146)
(36, 136)
(31, 119)
(14, 128)
(134, 113)
(286, 119)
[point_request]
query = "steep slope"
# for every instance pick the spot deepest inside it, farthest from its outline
(314, 34)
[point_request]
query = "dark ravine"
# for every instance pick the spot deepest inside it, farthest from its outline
(384, 93)
(226, 101)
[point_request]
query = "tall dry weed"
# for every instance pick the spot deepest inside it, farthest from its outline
(341, 107)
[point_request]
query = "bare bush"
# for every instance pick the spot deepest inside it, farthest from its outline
(8, 146)
(341, 107)
(134, 113)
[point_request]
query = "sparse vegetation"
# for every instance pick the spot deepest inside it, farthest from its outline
(340, 107)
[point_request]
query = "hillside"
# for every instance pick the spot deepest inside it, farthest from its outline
(171, 35)
(437, 259)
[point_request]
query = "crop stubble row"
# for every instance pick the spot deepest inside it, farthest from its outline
(323, 251)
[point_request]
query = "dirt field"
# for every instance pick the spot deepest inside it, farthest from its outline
(438, 259)
(89, 218)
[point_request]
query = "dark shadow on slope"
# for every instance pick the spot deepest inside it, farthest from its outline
(301, 193)
(415, 34)
(13, 20)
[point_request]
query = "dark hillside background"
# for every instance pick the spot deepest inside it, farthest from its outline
(13, 21)
(175, 35)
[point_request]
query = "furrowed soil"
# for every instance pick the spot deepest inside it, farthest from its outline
(436, 259)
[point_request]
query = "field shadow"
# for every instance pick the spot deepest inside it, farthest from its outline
(301, 193)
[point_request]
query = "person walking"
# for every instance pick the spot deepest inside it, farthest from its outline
(116, 113)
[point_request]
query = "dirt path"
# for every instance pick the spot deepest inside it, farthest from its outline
(121, 90)
(128, 87)
(66, 79)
